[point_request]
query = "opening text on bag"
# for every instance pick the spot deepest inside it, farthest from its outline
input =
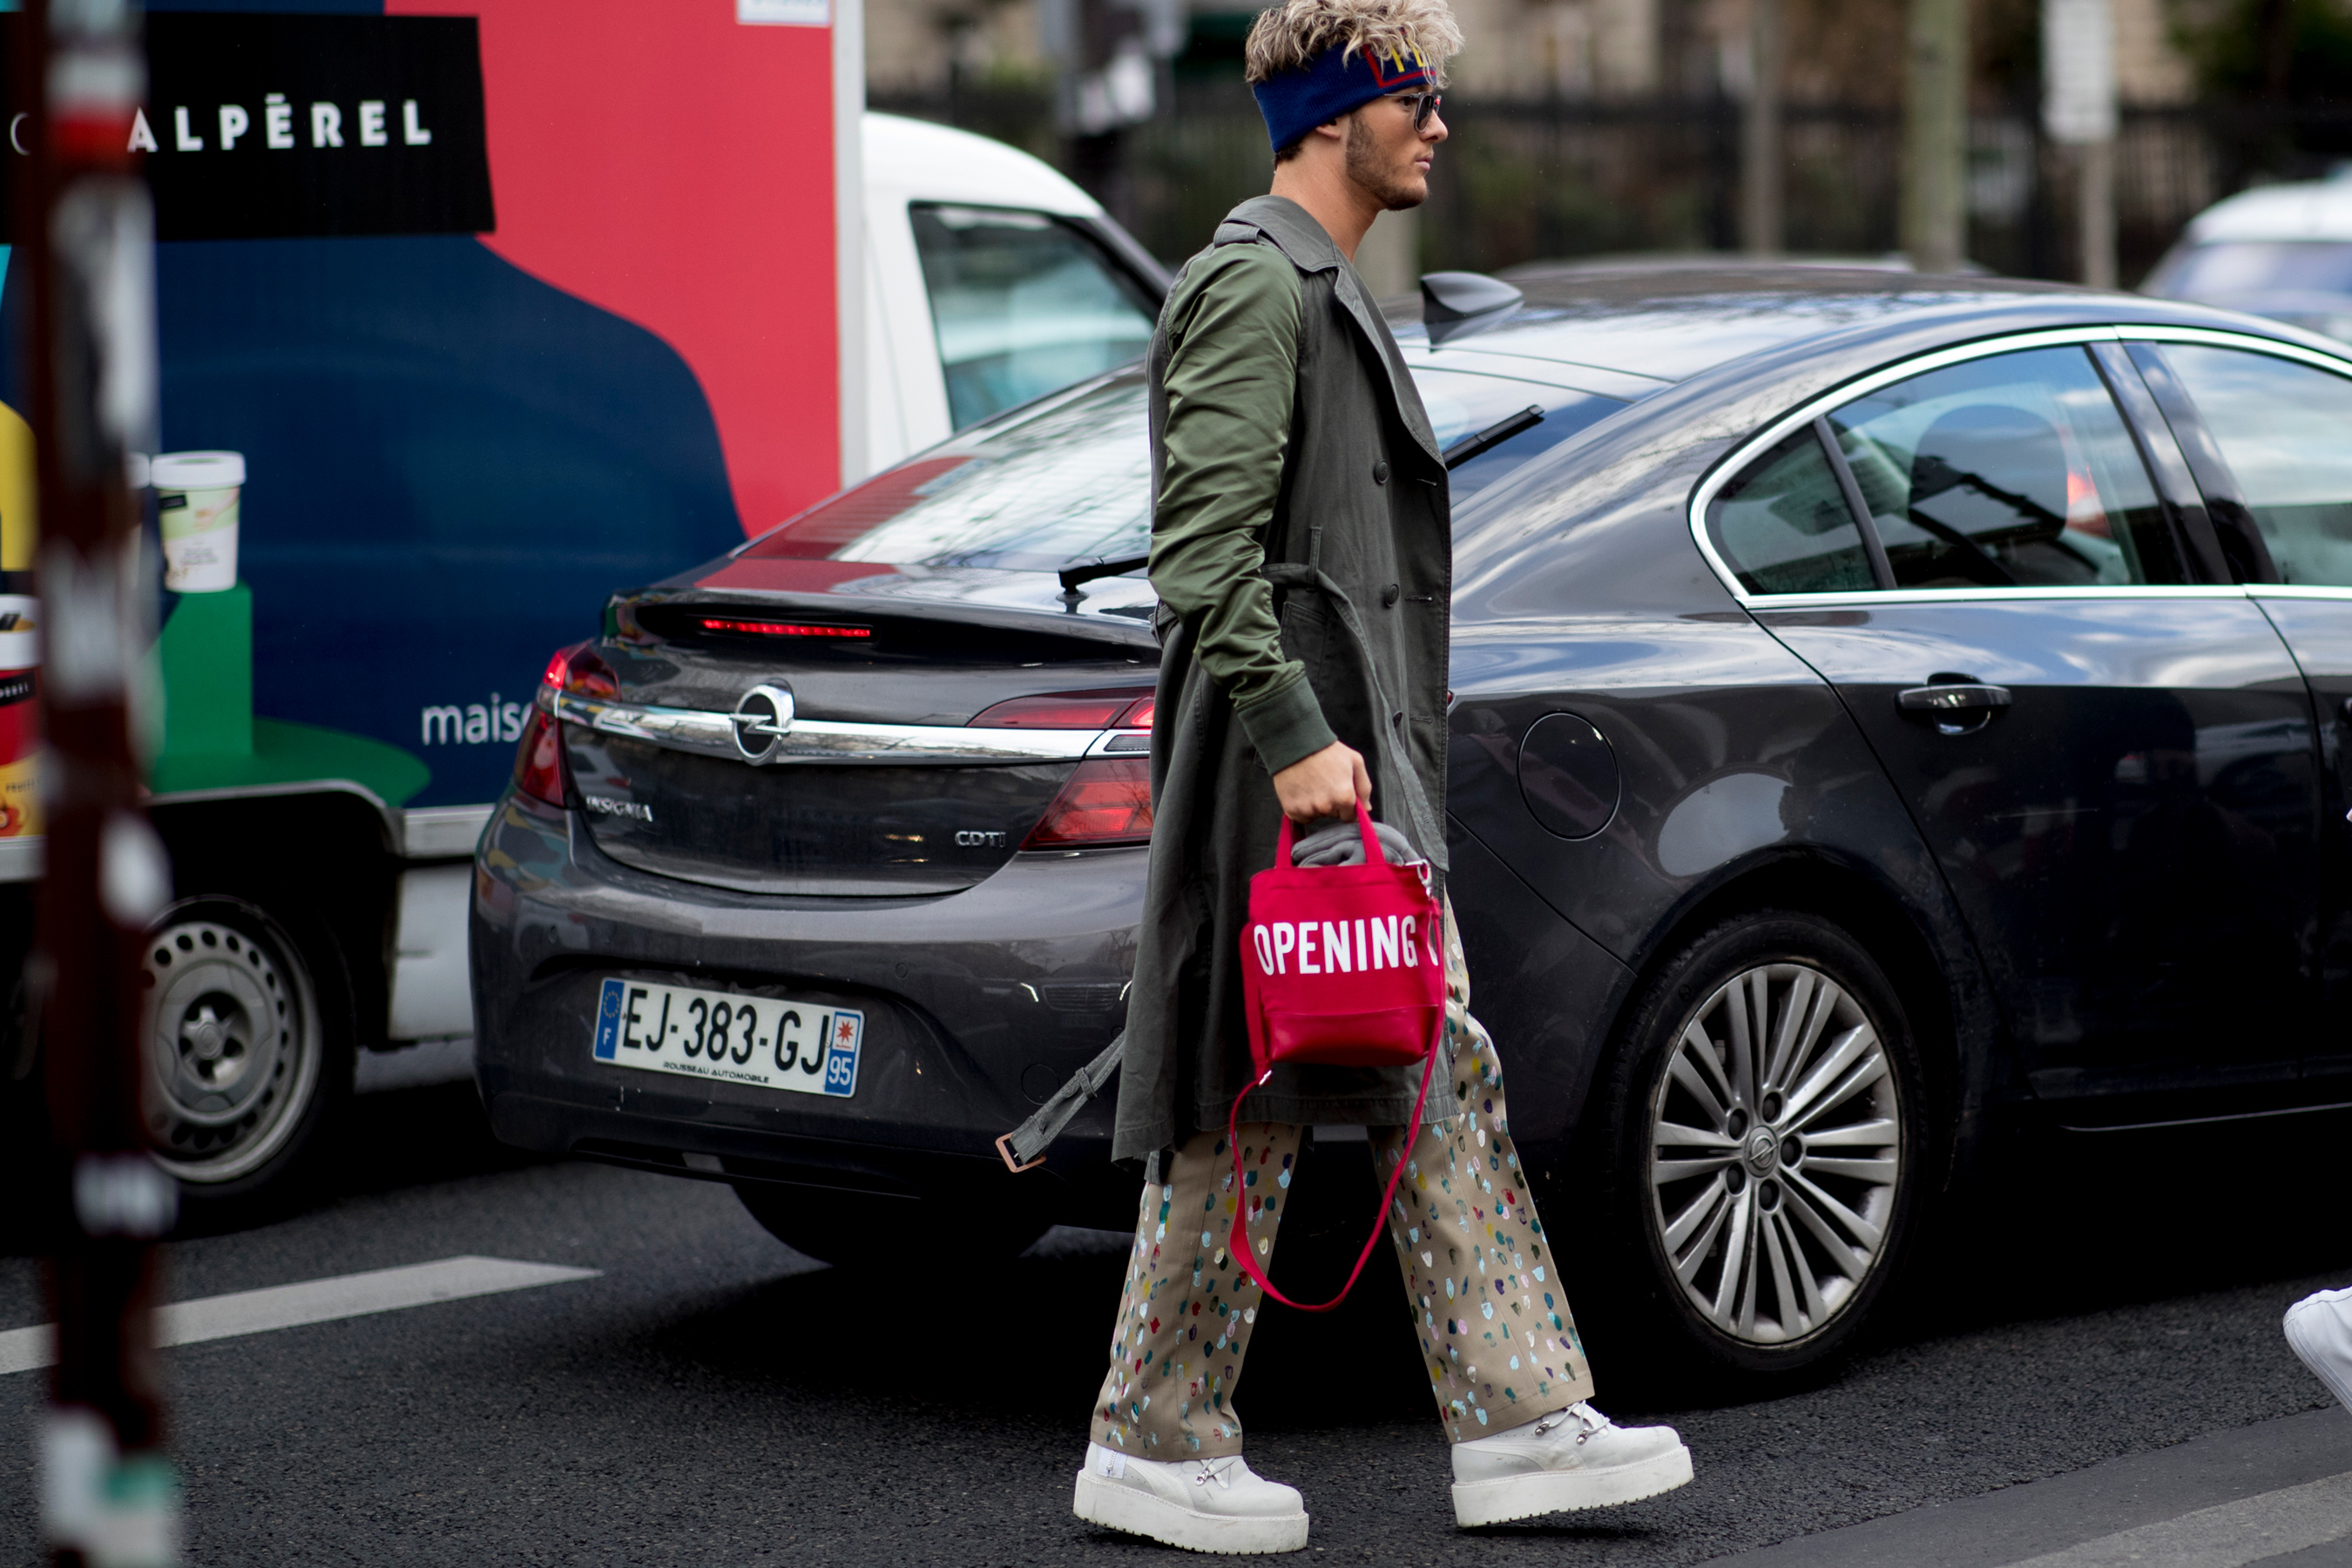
(1344, 947)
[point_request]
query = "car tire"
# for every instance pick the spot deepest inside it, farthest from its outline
(247, 1045)
(1762, 1211)
(869, 1230)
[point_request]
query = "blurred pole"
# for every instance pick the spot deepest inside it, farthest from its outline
(2099, 199)
(1934, 134)
(2078, 111)
(1760, 164)
(1109, 58)
(84, 229)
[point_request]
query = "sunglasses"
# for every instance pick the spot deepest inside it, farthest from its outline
(1424, 106)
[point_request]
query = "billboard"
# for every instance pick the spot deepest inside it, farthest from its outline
(509, 304)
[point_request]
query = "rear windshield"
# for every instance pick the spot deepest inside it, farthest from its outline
(1461, 405)
(1069, 479)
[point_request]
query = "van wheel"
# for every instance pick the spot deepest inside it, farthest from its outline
(1765, 1143)
(871, 1230)
(247, 1043)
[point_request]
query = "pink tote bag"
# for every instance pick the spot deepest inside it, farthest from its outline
(1344, 966)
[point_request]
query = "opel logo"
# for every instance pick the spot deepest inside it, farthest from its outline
(1763, 1151)
(762, 719)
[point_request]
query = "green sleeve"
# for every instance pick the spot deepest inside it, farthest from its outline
(1232, 374)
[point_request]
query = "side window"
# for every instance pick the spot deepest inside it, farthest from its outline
(1783, 526)
(2286, 430)
(2012, 470)
(1024, 304)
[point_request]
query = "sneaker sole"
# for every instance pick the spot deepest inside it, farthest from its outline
(1563, 1491)
(1114, 1507)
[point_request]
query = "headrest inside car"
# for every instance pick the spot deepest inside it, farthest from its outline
(1989, 469)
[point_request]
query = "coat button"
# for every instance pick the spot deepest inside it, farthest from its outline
(1381, 472)
(1389, 596)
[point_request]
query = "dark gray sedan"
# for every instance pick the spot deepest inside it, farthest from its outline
(1883, 708)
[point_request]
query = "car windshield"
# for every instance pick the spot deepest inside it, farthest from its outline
(1069, 479)
(2228, 269)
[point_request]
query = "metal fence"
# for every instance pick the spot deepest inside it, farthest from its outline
(1523, 182)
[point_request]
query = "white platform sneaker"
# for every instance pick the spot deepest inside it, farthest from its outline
(2319, 1329)
(1573, 1458)
(1201, 1505)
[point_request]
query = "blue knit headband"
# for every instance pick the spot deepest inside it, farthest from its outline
(1333, 83)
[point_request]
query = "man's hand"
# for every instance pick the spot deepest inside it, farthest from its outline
(1327, 784)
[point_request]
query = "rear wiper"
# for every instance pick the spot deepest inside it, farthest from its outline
(1072, 576)
(1492, 437)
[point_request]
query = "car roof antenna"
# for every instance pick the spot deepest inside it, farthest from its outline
(1457, 304)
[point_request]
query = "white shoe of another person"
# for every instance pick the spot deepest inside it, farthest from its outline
(2319, 1329)
(1573, 1458)
(1203, 1505)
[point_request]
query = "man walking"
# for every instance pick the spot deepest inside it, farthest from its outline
(1301, 549)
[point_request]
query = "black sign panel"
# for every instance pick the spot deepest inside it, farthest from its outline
(265, 126)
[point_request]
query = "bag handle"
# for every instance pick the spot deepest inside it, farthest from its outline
(1373, 854)
(1379, 1216)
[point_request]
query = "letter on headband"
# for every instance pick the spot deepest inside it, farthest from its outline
(1334, 83)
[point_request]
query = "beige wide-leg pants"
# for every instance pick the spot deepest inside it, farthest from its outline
(1480, 1276)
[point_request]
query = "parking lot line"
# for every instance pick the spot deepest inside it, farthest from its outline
(311, 1301)
(2228, 1535)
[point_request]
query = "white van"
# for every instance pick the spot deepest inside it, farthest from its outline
(989, 279)
(2281, 251)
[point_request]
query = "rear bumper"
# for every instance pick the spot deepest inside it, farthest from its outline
(978, 1005)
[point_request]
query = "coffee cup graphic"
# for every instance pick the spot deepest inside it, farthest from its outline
(196, 504)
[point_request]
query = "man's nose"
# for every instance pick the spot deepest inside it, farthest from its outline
(1435, 130)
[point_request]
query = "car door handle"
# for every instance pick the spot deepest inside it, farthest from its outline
(1953, 697)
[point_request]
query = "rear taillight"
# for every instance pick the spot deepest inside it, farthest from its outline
(538, 760)
(539, 757)
(578, 669)
(1068, 711)
(1106, 800)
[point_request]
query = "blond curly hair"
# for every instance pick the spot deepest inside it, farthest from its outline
(1287, 36)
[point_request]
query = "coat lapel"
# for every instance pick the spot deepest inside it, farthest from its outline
(1298, 237)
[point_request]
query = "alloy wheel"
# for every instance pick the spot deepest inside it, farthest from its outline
(233, 1044)
(1775, 1154)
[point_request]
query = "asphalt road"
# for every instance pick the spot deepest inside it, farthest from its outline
(709, 1397)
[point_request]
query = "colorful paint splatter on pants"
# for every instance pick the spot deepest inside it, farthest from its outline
(1496, 1338)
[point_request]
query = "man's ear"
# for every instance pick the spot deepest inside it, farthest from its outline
(1332, 128)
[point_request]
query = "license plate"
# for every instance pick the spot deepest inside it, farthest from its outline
(806, 1047)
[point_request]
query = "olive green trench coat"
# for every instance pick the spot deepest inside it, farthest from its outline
(1358, 552)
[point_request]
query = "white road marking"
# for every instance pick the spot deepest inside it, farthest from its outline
(311, 1301)
(2228, 1535)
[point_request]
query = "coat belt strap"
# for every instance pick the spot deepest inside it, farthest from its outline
(1023, 1148)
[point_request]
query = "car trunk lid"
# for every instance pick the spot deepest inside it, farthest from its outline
(792, 744)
